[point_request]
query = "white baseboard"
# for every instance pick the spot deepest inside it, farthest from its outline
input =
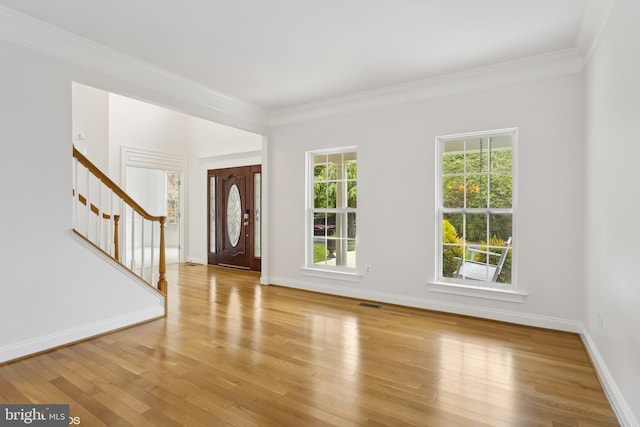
(619, 404)
(57, 339)
(265, 280)
(428, 304)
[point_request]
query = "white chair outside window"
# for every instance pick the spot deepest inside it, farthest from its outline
(485, 271)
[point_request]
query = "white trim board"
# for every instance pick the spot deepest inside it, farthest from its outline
(57, 339)
(499, 294)
(555, 64)
(526, 319)
(611, 390)
(243, 158)
(618, 403)
(29, 32)
(143, 158)
(593, 23)
(33, 34)
(87, 331)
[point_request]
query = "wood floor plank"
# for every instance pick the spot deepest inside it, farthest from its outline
(233, 352)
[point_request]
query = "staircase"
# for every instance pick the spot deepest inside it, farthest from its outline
(108, 219)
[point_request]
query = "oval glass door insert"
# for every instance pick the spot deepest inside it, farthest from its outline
(234, 215)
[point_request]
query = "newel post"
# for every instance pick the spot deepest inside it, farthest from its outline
(162, 279)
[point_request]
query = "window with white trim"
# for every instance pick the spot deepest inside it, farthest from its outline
(331, 209)
(476, 200)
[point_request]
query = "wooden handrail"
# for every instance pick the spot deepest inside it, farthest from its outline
(113, 186)
(104, 179)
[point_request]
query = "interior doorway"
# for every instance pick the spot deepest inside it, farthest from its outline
(234, 212)
(159, 192)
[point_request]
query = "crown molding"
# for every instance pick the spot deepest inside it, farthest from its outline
(593, 23)
(232, 158)
(31, 33)
(26, 31)
(555, 64)
(151, 159)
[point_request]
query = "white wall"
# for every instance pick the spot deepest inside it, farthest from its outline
(55, 290)
(396, 198)
(133, 123)
(91, 124)
(612, 229)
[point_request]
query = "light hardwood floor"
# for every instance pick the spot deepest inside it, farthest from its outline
(232, 352)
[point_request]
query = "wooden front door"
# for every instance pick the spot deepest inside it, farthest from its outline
(234, 217)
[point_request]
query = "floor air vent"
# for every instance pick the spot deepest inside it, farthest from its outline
(369, 305)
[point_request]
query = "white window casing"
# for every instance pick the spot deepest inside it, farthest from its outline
(476, 215)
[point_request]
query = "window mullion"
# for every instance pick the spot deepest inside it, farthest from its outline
(465, 244)
(488, 201)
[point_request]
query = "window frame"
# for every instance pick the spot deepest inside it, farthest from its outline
(323, 270)
(483, 289)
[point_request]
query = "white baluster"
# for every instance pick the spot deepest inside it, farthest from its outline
(142, 247)
(88, 207)
(133, 236)
(152, 257)
(76, 197)
(110, 247)
(99, 221)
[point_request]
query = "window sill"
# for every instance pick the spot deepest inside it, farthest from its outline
(487, 292)
(346, 275)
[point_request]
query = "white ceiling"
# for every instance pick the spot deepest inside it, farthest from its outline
(282, 53)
